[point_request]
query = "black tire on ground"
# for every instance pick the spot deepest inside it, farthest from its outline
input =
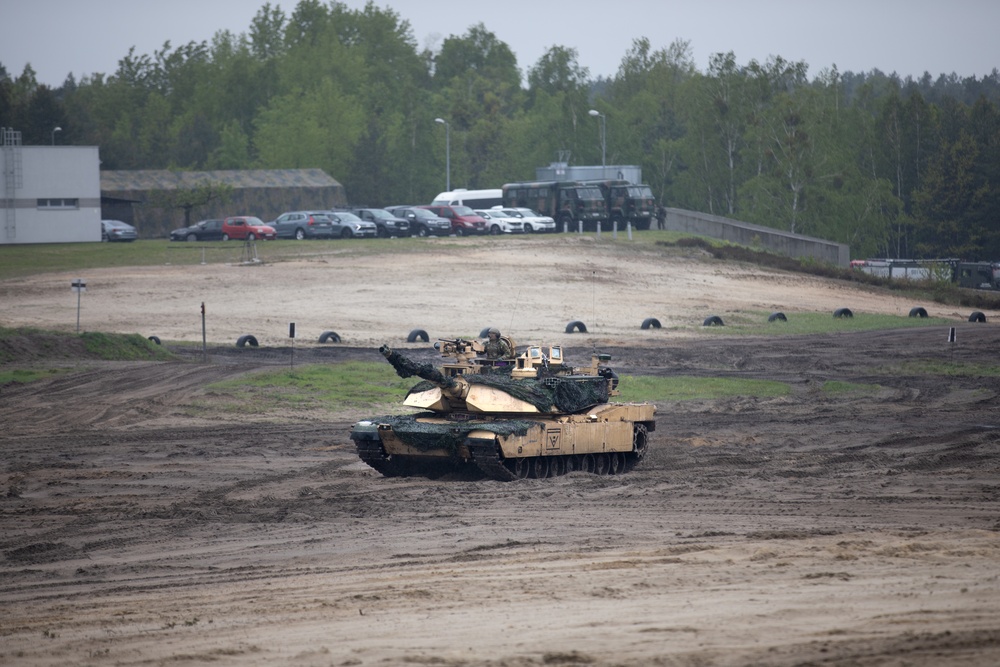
(713, 321)
(331, 336)
(245, 340)
(576, 325)
(843, 312)
(418, 334)
(918, 312)
(977, 316)
(153, 339)
(650, 322)
(557, 466)
(777, 317)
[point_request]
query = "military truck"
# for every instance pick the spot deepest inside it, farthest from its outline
(569, 203)
(505, 419)
(627, 202)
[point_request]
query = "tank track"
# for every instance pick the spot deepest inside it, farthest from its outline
(486, 457)
(372, 453)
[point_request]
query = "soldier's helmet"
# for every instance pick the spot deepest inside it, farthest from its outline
(493, 330)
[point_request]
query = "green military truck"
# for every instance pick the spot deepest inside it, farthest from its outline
(570, 203)
(627, 202)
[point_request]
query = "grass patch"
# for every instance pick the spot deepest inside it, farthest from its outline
(26, 345)
(122, 347)
(24, 376)
(370, 385)
(316, 386)
(679, 388)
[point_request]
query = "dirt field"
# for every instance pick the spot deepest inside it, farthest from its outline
(859, 527)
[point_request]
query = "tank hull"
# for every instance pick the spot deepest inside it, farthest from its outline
(610, 438)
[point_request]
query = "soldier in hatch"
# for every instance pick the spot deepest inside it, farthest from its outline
(496, 347)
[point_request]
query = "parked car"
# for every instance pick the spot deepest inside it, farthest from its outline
(206, 230)
(116, 230)
(463, 219)
(422, 222)
(387, 223)
(347, 225)
(246, 227)
(303, 225)
(498, 222)
(533, 222)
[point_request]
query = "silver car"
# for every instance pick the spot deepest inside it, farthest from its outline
(346, 225)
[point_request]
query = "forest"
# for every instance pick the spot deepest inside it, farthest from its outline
(904, 168)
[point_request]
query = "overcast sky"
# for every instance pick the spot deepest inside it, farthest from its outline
(908, 37)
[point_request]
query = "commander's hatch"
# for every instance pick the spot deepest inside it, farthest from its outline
(548, 359)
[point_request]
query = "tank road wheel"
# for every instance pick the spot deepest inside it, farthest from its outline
(518, 467)
(601, 464)
(557, 466)
(616, 463)
(539, 467)
(587, 463)
(572, 463)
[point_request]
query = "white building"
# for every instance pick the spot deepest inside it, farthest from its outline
(48, 194)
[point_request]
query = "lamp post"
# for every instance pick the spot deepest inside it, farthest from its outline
(604, 136)
(54, 130)
(447, 152)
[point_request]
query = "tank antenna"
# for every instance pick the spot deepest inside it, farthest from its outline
(517, 300)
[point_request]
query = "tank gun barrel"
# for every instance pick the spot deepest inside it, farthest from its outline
(408, 368)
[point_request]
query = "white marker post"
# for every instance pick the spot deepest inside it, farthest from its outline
(79, 286)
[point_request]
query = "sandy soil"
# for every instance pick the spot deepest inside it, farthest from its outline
(843, 528)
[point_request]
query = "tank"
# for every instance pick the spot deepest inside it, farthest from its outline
(529, 416)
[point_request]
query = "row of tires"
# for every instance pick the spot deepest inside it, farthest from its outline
(420, 335)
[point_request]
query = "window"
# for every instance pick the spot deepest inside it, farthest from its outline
(63, 204)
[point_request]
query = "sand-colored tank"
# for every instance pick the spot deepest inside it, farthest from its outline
(530, 416)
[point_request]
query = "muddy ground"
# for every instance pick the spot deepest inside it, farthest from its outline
(855, 527)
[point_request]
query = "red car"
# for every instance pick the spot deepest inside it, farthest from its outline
(246, 227)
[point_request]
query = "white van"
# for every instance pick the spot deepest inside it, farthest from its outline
(470, 198)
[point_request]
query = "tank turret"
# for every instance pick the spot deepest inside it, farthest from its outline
(533, 415)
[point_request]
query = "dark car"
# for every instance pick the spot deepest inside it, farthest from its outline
(347, 225)
(206, 230)
(422, 222)
(116, 230)
(303, 225)
(463, 219)
(387, 223)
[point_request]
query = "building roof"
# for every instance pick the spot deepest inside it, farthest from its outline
(163, 179)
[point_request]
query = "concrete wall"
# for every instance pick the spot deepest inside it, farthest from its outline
(46, 173)
(744, 233)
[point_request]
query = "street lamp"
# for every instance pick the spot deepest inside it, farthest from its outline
(54, 130)
(604, 136)
(447, 152)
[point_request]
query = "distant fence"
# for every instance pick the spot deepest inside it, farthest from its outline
(744, 233)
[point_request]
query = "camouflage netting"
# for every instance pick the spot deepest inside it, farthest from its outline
(565, 395)
(426, 437)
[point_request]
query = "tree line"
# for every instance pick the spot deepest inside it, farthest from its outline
(894, 167)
